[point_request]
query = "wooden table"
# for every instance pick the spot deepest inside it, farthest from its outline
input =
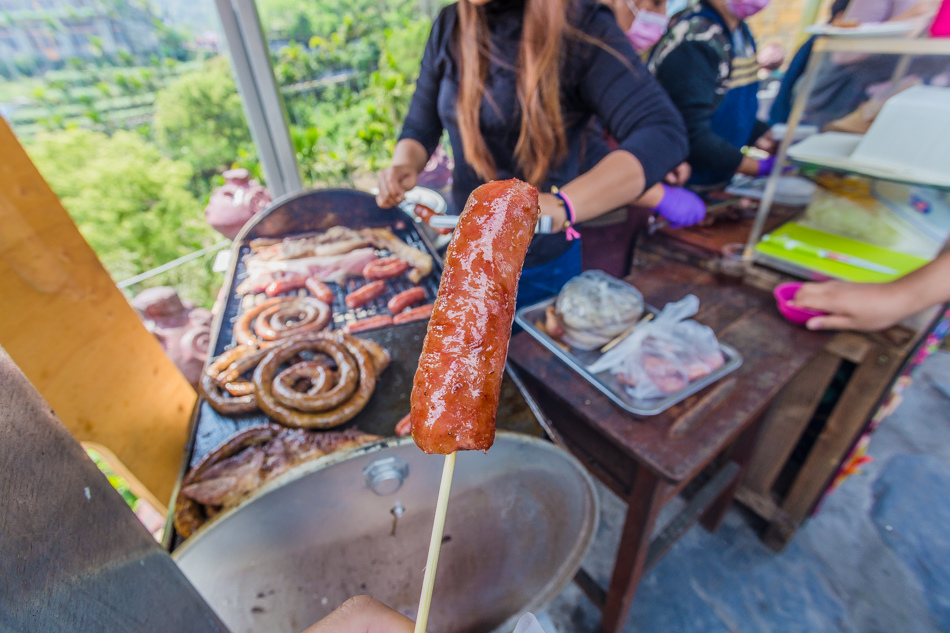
(707, 439)
(813, 426)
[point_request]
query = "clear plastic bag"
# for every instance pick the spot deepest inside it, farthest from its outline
(663, 356)
(594, 307)
(701, 353)
(529, 624)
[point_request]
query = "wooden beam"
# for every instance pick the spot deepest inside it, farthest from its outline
(845, 424)
(762, 505)
(77, 339)
(787, 419)
(850, 346)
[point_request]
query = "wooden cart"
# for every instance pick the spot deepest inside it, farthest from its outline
(810, 429)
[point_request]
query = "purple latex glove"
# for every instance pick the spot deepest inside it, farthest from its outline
(681, 207)
(766, 165)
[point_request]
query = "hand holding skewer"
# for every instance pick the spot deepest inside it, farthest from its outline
(363, 614)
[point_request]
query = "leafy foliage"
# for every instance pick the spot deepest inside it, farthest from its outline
(199, 119)
(350, 128)
(346, 69)
(131, 204)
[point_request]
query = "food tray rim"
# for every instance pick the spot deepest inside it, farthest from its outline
(639, 407)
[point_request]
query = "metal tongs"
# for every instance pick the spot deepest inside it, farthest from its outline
(544, 225)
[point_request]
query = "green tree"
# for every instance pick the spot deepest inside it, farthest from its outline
(131, 204)
(386, 99)
(354, 132)
(199, 119)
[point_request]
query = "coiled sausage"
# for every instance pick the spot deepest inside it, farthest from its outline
(267, 370)
(219, 373)
(279, 318)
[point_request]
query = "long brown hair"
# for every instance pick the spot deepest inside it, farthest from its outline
(541, 140)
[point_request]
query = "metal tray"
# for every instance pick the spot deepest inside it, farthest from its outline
(578, 360)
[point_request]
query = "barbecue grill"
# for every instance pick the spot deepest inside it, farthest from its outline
(521, 518)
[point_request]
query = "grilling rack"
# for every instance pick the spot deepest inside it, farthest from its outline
(341, 313)
(299, 215)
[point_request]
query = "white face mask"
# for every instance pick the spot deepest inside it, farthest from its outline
(647, 28)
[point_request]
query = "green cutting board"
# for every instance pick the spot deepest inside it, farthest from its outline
(901, 262)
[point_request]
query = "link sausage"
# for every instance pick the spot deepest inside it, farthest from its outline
(405, 299)
(416, 314)
(457, 385)
(280, 286)
(404, 426)
(319, 290)
(365, 325)
(385, 268)
(365, 294)
(425, 214)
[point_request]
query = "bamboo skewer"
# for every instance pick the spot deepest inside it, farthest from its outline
(612, 344)
(435, 543)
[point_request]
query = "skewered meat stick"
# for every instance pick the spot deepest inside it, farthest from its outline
(457, 385)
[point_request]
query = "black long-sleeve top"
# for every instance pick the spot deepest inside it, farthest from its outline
(594, 82)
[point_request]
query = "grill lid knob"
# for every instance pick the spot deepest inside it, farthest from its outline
(385, 476)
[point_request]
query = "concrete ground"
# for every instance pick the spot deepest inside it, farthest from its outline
(875, 559)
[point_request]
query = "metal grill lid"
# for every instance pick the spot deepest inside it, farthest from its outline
(521, 518)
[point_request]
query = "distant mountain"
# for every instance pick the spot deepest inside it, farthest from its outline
(36, 34)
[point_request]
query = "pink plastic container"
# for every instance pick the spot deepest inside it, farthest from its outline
(784, 293)
(941, 23)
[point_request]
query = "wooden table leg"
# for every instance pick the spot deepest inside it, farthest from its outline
(643, 507)
(741, 453)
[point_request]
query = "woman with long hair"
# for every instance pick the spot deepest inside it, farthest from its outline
(515, 83)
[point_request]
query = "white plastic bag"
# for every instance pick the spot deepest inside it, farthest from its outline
(529, 624)
(594, 307)
(663, 356)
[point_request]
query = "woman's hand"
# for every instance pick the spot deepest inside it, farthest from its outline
(363, 614)
(757, 168)
(680, 175)
(767, 142)
(393, 183)
(681, 207)
(853, 306)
